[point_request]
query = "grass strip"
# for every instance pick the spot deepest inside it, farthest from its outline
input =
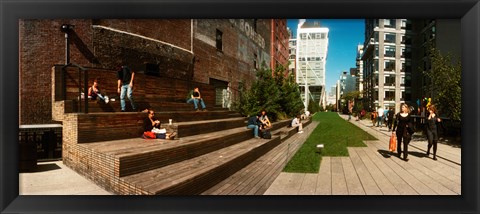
(335, 133)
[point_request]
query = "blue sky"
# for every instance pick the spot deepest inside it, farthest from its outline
(344, 36)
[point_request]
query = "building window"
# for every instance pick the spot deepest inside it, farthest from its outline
(255, 64)
(389, 80)
(390, 23)
(218, 40)
(389, 95)
(389, 65)
(390, 38)
(389, 51)
(404, 24)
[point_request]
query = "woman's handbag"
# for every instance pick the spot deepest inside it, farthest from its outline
(393, 143)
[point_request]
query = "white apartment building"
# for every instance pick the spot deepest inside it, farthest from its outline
(385, 81)
(311, 58)
(359, 64)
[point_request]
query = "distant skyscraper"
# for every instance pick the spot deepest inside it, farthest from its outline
(311, 57)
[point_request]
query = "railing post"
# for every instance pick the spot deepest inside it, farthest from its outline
(80, 90)
(85, 89)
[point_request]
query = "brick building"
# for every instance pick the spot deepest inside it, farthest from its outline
(209, 51)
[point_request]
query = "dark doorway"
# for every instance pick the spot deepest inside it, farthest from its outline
(219, 85)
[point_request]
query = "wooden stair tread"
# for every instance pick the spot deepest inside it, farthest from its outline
(155, 180)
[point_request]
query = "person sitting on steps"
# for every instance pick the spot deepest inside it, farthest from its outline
(94, 92)
(150, 123)
(253, 123)
(296, 123)
(265, 122)
(195, 98)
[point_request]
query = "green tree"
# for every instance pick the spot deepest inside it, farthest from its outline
(445, 83)
(276, 92)
(290, 99)
(354, 96)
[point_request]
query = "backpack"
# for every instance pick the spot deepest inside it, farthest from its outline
(266, 134)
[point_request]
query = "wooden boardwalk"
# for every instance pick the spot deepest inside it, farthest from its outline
(372, 170)
(256, 178)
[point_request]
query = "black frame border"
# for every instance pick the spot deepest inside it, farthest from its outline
(11, 11)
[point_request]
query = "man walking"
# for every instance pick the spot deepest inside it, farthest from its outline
(125, 77)
(380, 117)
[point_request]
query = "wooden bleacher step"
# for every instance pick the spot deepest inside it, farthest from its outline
(195, 175)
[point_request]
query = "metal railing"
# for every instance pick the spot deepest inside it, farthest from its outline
(85, 85)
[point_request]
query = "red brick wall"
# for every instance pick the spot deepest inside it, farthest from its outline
(104, 44)
(42, 45)
(235, 63)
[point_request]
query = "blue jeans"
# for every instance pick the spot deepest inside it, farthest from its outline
(126, 90)
(255, 129)
(380, 121)
(195, 102)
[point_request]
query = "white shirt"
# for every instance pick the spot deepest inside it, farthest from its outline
(295, 122)
(380, 112)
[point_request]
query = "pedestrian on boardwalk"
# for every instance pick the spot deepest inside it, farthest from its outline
(373, 117)
(125, 77)
(403, 126)
(380, 116)
(390, 115)
(432, 133)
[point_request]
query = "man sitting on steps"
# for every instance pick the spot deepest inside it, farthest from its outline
(296, 122)
(196, 98)
(253, 123)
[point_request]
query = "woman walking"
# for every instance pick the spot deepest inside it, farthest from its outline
(404, 131)
(432, 134)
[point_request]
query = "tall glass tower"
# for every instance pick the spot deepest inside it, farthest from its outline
(311, 58)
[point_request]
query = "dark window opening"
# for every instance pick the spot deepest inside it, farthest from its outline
(218, 40)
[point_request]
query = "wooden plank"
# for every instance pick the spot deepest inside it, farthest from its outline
(380, 161)
(353, 182)
(369, 185)
(380, 179)
(324, 179)
(339, 184)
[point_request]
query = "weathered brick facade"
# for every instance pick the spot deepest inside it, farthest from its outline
(184, 49)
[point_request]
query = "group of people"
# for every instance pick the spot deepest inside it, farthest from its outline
(125, 80)
(125, 84)
(382, 117)
(403, 130)
(261, 123)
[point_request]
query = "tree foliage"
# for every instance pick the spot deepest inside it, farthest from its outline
(274, 92)
(445, 77)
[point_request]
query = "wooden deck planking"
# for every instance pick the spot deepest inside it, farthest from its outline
(256, 178)
(437, 173)
(369, 184)
(353, 182)
(380, 179)
(324, 179)
(339, 184)
(267, 167)
(399, 184)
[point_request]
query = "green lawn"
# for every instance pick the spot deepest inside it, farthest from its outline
(335, 133)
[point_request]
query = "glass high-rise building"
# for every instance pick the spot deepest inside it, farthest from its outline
(311, 58)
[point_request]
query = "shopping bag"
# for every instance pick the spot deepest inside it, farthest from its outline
(393, 143)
